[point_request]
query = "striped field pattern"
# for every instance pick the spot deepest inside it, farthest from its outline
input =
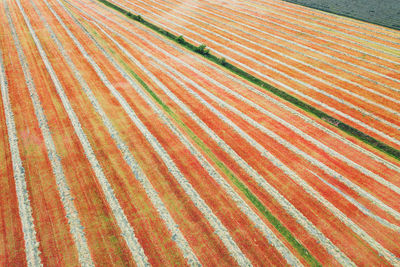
(121, 147)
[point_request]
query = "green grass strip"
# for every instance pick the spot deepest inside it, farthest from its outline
(387, 149)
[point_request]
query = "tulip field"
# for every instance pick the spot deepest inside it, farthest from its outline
(190, 133)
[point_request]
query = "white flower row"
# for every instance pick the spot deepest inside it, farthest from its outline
(327, 149)
(328, 20)
(62, 185)
(203, 92)
(300, 218)
(276, 102)
(314, 141)
(320, 144)
(282, 141)
(335, 18)
(332, 152)
(350, 38)
(380, 33)
(205, 164)
(303, 47)
(357, 46)
(305, 118)
(287, 55)
(330, 247)
(219, 228)
(332, 208)
(24, 207)
(286, 204)
(126, 228)
(310, 121)
(327, 48)
(282, 85)
(283, 167)
(364, 212)
(288, 66)
(359, 206)
(129, 159)
(270, 66)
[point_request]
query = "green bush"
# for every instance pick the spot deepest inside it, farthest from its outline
(139, 18)
(201, 49)
(222, 61)
(180, 39)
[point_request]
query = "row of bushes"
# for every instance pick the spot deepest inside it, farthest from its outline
(205, 52)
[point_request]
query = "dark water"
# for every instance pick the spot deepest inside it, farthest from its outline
(381, 12)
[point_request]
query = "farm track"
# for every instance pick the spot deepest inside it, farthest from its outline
(134, 151)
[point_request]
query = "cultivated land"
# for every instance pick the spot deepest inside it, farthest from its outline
(123, 143)
(383, 12)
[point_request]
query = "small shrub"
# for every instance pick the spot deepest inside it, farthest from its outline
(202, 49)
(222, 61)
(139, 18)
(180, 39)
(129, 14)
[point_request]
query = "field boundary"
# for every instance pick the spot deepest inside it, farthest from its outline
(204, 52)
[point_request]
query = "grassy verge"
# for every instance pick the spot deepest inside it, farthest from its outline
(201, 50)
